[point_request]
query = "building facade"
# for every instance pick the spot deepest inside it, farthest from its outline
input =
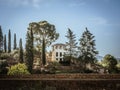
(58, 52)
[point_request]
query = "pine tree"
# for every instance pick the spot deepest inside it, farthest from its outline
(1, 39)
(15, 44)
(71, 44)
(5, 45)
(20, 51)
(29, 50)
(87, 48)
(9, 41)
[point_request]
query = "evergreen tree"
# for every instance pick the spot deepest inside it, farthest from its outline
(29, 50)
(9, 41)
(5, 45)
(1, 39)
(20, 51)
(71, 44)
(87, 47)
(15, 44)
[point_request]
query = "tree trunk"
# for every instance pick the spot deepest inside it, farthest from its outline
(43, 52)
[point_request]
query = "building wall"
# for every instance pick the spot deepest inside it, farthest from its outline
(58, 51)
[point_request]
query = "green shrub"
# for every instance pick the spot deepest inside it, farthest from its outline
(3, 67)
(15, 54)
(4, 56)
(18, 69)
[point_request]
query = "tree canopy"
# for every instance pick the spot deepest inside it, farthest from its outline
(9, 41)
(1, 39)
(20, 51)
(87, 48)
(110, 63)
(44, 34)
(5, 45)
(71, 44)
(15, 44)
(29, 50)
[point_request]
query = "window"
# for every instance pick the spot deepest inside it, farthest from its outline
(57, 59)
(56, 54)
(60, 59)
(60, 54)
(60, 47)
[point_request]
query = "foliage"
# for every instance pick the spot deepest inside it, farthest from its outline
(118, 65)
(15, 44)
(110, 63)
(44, 34)
(54, 64)
(9, 41)
(3, 65)
(71, 44)
(18, 69)
(5, 45)
(66, 60)
(4, 56)
(1, 39)
(20, 51)
(87, 48)
(29, 50)
(15, 54)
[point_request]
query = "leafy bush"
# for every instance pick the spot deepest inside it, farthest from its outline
(110, 63)
(15, 54)
(4, 56)
(18, 69)
(3, 65)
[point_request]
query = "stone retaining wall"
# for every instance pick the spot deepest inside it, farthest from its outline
(60, 82)
(61, 76)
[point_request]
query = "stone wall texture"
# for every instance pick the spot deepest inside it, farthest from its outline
(61, 82)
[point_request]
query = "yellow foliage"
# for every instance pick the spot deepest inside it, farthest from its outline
(18, 69)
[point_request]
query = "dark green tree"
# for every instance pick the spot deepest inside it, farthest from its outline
(71, 44)
(29, 49)
(1, 39)
(20, 51)
(5, 45)
(15, 44)
(87, 48)
(45, 34)
(110, 63)
(9, 41)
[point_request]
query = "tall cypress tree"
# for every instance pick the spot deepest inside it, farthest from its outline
(1, 39)
(43, 52)
(29, 50)
(20, 51)
(87, 48)
(5, 45)
(9, 41)
(15, 44)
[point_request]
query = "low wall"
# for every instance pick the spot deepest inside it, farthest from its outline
(60, 76)
(61, 82)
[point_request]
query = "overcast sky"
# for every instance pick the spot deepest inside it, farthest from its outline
(101, 17)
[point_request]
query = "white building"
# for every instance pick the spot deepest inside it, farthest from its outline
(58, 51)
